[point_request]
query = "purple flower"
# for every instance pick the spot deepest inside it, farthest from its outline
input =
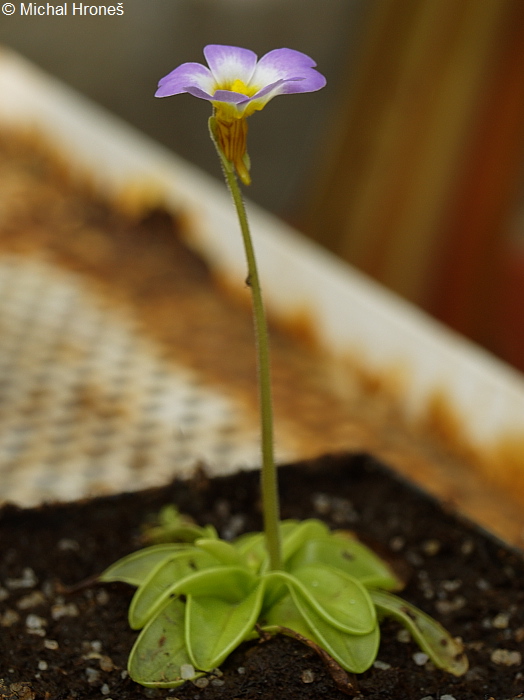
(237, 85)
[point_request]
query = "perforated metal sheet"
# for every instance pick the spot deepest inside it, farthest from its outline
(88, 405)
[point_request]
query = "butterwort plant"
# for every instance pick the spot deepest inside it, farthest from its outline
(198, 596)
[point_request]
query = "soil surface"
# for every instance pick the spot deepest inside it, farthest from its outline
(65, 646)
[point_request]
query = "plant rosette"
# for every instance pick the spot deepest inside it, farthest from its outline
(199, 597)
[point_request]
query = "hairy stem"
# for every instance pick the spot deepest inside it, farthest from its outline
(269, 485)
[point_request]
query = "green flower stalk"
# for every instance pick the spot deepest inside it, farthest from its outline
(199, 597)
(269, 486)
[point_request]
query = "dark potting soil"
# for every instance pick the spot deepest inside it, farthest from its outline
(64, 646)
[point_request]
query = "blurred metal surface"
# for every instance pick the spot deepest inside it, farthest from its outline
(88, 405)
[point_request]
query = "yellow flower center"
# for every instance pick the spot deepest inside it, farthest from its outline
(239, 86)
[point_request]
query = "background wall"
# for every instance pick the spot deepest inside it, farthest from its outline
(422, 182)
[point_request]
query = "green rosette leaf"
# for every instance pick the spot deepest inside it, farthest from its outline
(354, 652)
(341, 601)
(298, 535)
(347, 554)
(285, 614)
(338, 598)
(252, 548)
(172, 526)
(222, 551)
(137, 567)
(163, 581)
(159, 658)
(214, 626)
(231, 583)
(445, 652)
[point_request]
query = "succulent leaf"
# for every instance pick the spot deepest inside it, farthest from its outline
(296, 537)
(252, 549)
(346, 554)
(229, 583)
(172, 526)
(153, 592)
(214, 626)
(337, 598)
(354, 652)
(137, 567)
(445, 651)
(159, 658)
(285, 614)
(222, 551)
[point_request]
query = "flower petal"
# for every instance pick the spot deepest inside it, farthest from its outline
(271, 90)
(230, 63)
(293, 67)
(230, 97)
(188, 75)
(197, 92)
(261, 98)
